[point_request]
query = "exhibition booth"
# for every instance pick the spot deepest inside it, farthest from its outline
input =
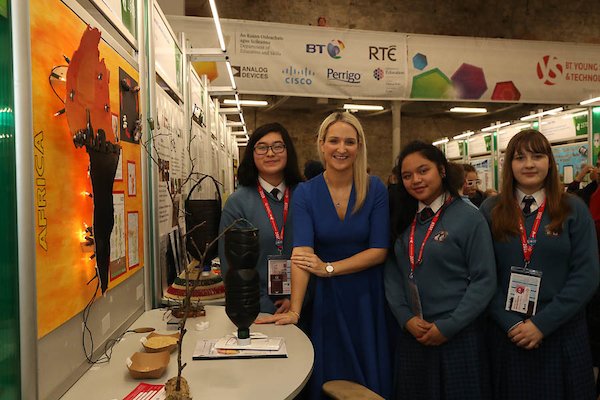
(111, 115)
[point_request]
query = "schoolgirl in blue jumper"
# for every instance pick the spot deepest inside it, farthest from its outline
(547, 266)
(269, 163)
(438, 280)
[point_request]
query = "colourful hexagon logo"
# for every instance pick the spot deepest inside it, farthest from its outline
(432, 84)
(506, 91)
(420, 61)
(469, 82)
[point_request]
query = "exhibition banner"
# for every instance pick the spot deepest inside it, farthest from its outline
(570, 159)
(483, 166)
(270, 58)
(282, 59)
(479, 69)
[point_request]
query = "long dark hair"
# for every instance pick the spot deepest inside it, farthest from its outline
(506, 215)
(405, 208)
(248, 173)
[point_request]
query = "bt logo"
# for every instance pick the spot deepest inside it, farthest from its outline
(381, 53)
(548, 70)
(334, 48)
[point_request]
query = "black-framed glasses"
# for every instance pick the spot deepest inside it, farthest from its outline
(263, 149)
(474, 182)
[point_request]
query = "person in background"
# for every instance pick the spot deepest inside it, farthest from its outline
(470, 187)
(312, 169)
(547, 266)
(458, 181)
(322, 22)
(438, 281)
(586, 193)
(490, 193)
(341, 236)
(268, 175)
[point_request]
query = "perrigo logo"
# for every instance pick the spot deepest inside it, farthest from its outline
(549, 70)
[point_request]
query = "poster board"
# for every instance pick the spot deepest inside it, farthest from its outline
(62, 206)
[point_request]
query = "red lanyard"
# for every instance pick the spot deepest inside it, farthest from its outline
(411, 239)
(528, 244)
(286, 206)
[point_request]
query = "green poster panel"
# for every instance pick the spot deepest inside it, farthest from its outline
(128, 16)
(10, 380)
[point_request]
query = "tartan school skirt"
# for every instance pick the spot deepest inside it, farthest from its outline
(561, 368)
(458, 369)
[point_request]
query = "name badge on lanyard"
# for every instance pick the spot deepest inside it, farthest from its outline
(412, 281)
(524, 285)
(279, 267)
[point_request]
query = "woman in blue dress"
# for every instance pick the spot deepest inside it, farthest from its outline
(438, 281)
(547, 266)
(341, 236)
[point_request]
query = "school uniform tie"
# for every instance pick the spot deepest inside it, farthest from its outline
(426, 214)
(528, 201)
(275, 193)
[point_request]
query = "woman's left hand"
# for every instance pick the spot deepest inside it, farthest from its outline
(309, 262)
(526, 335)
(433, 337)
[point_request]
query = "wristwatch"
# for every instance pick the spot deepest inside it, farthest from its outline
(329, 269)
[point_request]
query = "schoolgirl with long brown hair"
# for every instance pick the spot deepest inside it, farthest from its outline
(547, 267)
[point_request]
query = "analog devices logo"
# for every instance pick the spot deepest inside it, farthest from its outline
(251, 72)
(549, 70)
(333, 48)
(295, 76)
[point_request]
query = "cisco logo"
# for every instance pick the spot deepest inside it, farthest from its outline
(333, 48)
(548, 70)
(343, 76)
(298, 76)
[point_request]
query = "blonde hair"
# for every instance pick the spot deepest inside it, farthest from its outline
(359, 168)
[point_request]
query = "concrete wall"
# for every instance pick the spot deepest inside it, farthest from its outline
(554, 20)
(303, 127)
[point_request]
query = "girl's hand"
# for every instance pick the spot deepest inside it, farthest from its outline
(283, 305)
(279, 319)
(433, 337)
(417, 327)
(526, 335)
(309, 262)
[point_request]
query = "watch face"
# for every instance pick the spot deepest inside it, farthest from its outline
(329, 268)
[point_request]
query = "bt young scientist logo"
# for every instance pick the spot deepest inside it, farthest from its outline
(549, 70)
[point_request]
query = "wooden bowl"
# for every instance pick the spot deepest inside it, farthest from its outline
(148, 365)
(168, 348)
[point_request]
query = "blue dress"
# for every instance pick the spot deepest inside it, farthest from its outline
(349, 331)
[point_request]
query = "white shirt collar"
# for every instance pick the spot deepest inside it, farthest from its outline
(267, 187)
(436, 204)
(538, 196)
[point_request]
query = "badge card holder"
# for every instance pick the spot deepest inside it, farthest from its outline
(414, 295)
(280, 274)
(523, 290)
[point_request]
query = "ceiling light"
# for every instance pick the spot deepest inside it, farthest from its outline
(491, 128)
(468, 110)
(541, 114)
(230, 74)
(242, 119)
(363, 107)
(463, 135)
(444, 140)
(255, 103)
(595, 99)
(213, 9)
(577, 114)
